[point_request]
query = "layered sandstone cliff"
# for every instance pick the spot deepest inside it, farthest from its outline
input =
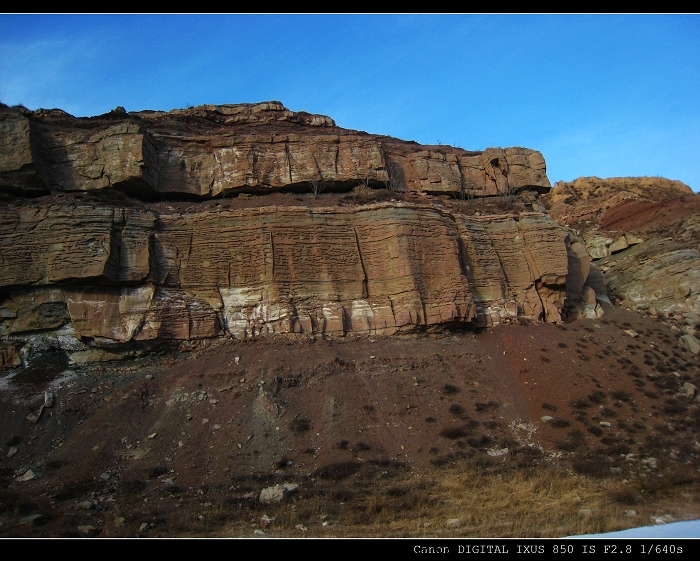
(100, 276)
(104, 275)
(212, 150)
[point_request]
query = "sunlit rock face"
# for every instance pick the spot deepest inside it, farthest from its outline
(124, 274)
(100, 276)
(210, 150)
(641, 239)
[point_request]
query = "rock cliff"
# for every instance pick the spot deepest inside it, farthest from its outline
(101, 252)
(641, 235)
(212, 150)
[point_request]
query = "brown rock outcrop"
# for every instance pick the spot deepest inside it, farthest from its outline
(91, 264)
(210, 151)
(120, 275)
(582, 202)
(642, 234)
(659, 278)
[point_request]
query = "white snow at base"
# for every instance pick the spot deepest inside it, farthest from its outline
(687, 529)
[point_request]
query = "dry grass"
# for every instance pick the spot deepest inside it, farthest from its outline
(517, 503)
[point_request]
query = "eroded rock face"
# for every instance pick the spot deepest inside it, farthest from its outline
(94, 261)
(641, 235)
(583, 202)
(121, 275)
(658, 278)
(210, 150)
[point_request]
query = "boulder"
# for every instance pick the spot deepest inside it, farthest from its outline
(278, 493)
(691, 343)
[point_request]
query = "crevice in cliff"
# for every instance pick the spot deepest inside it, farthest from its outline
(154, 270)
(289, 161)
(272, 255)
(113, 266)
(189, 245)
(136, 188)
(543, 313)
(365, 280)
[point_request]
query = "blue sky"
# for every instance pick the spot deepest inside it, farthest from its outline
(596, 94)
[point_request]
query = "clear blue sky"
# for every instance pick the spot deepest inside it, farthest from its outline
(597, 95)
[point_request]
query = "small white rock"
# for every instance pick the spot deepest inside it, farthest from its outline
(27, 476)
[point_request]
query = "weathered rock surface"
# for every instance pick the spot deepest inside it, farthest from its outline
(107, 275)
(657, 278)
(642, 234)
(211, 150)
(588, 198)
(90, 264)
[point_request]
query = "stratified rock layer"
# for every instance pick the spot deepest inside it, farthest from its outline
(115, 275)
(211, 150)
(91, 264)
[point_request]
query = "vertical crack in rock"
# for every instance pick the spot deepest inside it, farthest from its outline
(189, 246)
(288, 155)
(391, 305)
(337, 155)
(365, 280)
(533, 269)
(272, 254)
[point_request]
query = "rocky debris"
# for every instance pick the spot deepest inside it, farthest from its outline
(26, 476)
(689, 342)
(689, 390)
(12, 451)
(87, 529)
(600, 246)
(453, 523)
(278, 493)
(496, 452)
(34, 417)
(30, 520)
(267, 520)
